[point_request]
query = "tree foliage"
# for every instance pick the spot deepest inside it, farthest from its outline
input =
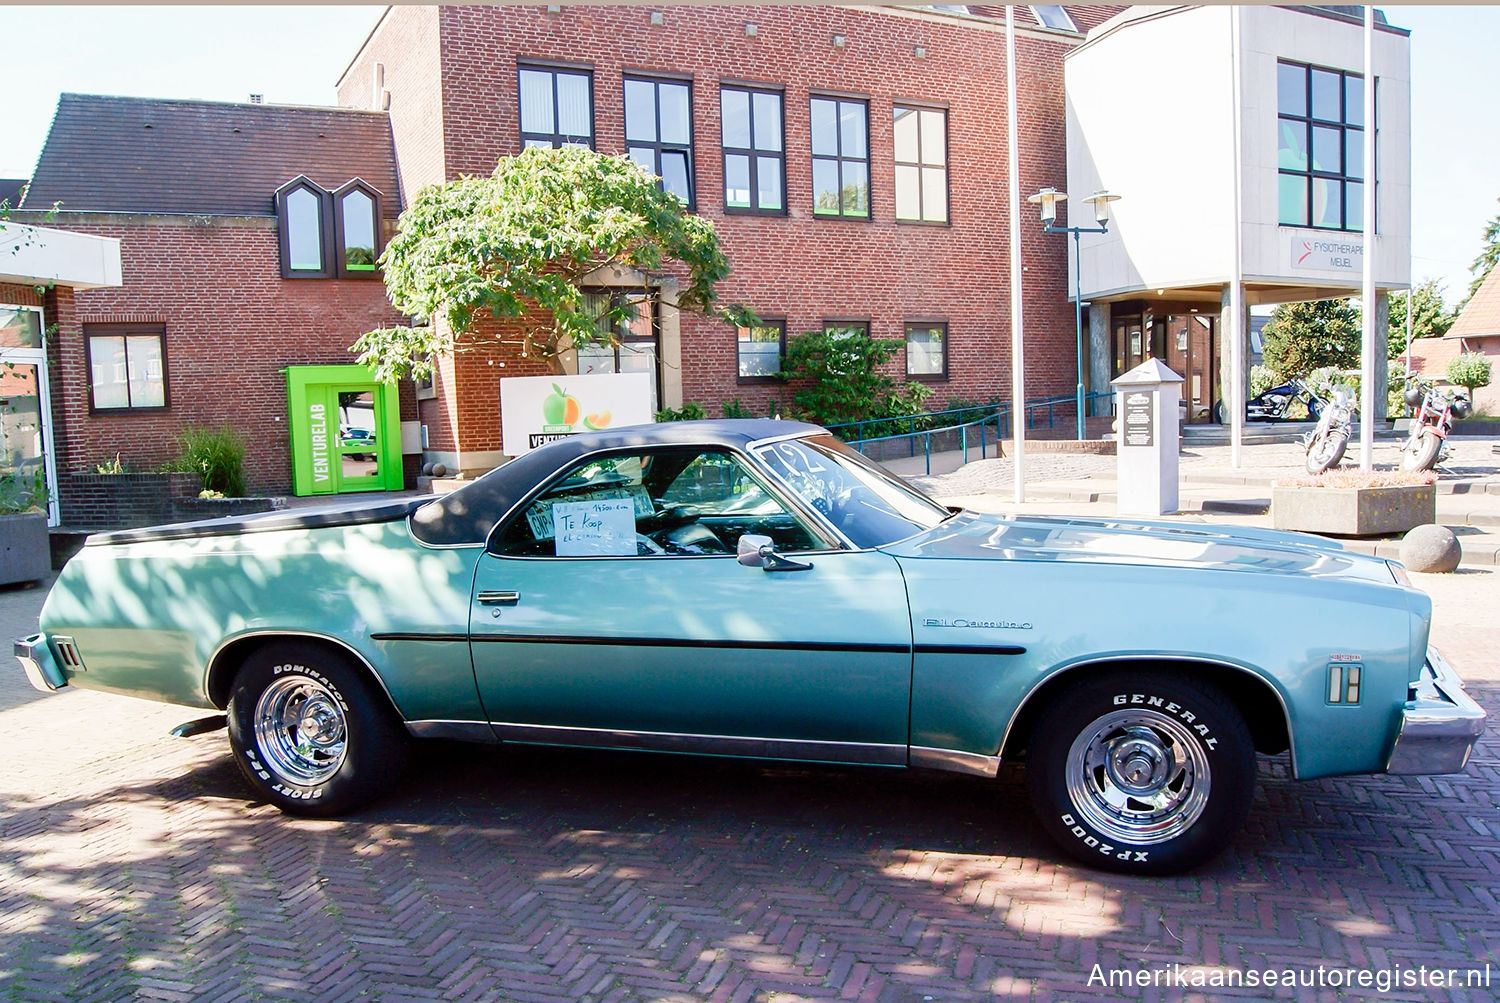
(1469, 370)
(520, 243)
(1301, 337)
(1429, 319)
(839, 377)
(1490, 254)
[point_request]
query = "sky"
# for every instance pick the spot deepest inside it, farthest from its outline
(294, 55)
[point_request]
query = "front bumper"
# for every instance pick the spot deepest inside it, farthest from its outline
(35, 656)
(1440, 724)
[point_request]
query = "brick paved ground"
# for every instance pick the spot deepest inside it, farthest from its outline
(133, 865)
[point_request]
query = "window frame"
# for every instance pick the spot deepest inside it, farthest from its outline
(752, 153)
(342, 269)
(926, 324)
(1308, 122)
(921, 220)
(656, 146)
(652, 299)
(556, 138)
(765, 322)
(840, 159)
(326, 229)
(124, 332)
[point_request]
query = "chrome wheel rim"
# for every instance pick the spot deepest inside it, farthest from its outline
(1138, 776)
(301, 730)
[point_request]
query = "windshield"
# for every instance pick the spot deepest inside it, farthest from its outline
(863, 502)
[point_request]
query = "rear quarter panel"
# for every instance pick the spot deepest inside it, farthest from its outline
(147, 617)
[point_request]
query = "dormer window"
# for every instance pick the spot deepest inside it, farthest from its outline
(325, 234)
(1054, 17)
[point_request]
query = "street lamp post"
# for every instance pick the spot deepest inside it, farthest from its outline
(1048, 198)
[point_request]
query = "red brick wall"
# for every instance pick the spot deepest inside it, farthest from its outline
(232, 325)
(800, 267)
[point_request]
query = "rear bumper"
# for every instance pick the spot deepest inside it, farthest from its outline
(1440, 724)
(35, 656)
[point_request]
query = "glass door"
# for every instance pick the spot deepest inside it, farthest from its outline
(357, 458)
(28, 475)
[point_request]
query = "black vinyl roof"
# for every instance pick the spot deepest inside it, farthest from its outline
(466, 516)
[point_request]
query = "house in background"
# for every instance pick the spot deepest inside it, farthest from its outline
(1477, 329)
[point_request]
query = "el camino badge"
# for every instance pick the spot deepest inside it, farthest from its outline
(935, 621)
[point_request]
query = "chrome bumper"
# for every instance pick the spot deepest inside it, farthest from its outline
(35, 656)
(1440, 724)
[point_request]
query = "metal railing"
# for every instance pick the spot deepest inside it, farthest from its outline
(992, 426)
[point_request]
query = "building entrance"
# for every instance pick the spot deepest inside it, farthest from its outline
(1187, 342)
(346, 431)
(26, 465)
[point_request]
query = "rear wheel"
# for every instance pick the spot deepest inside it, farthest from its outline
(1422, 452)
(1144, 773)
(308, 731)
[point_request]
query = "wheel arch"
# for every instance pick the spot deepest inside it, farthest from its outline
(1257, 698)
(227, 659)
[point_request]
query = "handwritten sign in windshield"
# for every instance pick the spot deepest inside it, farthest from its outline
(603, 527)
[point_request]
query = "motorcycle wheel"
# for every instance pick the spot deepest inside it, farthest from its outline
(1422, 452)
(1325, 451)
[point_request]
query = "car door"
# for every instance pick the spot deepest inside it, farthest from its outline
(611, 610)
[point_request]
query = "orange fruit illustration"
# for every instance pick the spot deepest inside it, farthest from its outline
(596, 421)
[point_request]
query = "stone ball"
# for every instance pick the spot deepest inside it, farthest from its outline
(438, 469)
(427, 469)
(1431, 549)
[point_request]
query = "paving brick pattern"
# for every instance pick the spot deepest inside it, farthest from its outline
(133, 865)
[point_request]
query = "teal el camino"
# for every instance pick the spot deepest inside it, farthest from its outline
(756, 588)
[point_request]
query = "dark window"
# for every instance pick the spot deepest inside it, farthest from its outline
(921, 149)
(356, 213)
(927, 350)
(847, 328)
(1320, 147)
(127, 365)
(754, 161)
(841, 157)
(659, 132)
(557, 107)
(761, 350)
(629, 336)
(304, 214)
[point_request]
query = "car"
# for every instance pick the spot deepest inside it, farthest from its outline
(756, 588)
(362, 439)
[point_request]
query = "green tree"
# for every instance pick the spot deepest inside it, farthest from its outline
(1469, 370)
(1486, 259)
(519, 245)
(1429, 319)
(1302, 337)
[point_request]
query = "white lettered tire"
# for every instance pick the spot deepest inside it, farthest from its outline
(1145, 772)
(309, 733)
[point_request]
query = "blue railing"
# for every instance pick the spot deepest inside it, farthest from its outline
(989, 427)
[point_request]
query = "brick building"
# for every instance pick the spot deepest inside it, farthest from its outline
(851, 159)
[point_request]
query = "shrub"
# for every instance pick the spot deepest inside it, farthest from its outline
(689, 411)
(837, 377)
(1357, 478)
(734, 409)
(1262, 378)
(215, 455)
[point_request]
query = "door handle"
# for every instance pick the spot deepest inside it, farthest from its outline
(499, 597)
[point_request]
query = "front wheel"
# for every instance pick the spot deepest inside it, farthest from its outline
(1325, 451)
(307, 730)
(1422, 452)
(1146, 773)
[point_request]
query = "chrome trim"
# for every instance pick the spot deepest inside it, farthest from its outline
(1286, 715)
(710, 745)
(1439, 725)
(955, 761)
(272, 632)
(457, 731)
(36, 659)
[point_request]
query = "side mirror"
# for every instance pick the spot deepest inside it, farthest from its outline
(755, 551)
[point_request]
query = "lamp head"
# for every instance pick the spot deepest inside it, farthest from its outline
(1100, 201)
(1048, 198)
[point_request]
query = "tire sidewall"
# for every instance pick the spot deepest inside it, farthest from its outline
(352, 782)
(1210, 720)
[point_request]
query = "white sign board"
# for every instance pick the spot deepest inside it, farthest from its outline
(534, 410)
(1321, 253)
(604, 527)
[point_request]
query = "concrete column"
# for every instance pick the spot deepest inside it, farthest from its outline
(1382, 349)
(1229, 329)
(1099, 353)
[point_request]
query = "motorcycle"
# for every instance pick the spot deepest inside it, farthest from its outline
(1276, 403)
(1433, 413)
(1325, 444)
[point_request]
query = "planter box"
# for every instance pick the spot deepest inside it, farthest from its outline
(25, 552)
(1353, 511)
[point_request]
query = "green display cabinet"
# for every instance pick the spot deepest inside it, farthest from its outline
(346, 431)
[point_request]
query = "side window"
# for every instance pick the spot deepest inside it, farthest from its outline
(671, 502)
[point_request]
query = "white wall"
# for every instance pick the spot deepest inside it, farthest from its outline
(1150, 116)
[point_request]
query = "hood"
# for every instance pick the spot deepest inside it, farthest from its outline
(972, 536)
